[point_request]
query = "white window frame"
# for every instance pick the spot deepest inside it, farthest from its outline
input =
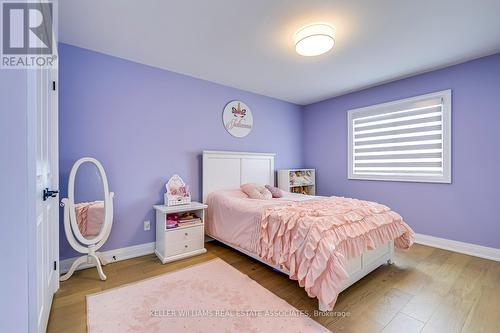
(446, 139)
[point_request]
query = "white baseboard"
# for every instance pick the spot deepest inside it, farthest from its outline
(442, 243)
(113, 255)
(461, 247)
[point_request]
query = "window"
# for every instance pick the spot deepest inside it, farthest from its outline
(405, 140)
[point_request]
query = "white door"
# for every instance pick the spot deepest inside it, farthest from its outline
(47, 208)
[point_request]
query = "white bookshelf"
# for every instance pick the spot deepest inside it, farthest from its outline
(298, 180)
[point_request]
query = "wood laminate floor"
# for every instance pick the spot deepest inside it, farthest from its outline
(426, 290)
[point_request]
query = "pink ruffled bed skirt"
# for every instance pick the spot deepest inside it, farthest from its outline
(313, 240)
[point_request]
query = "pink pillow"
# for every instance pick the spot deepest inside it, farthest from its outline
(276, 192)
(255, 191)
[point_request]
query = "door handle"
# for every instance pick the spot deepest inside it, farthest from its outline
(49, 194)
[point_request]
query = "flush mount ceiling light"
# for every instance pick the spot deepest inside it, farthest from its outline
(314, 39)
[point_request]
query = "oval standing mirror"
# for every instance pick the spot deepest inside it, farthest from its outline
(89, 201)
(88, 213)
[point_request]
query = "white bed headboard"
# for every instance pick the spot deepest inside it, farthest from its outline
(228, 170)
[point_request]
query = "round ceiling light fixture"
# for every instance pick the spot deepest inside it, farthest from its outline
(314, 39)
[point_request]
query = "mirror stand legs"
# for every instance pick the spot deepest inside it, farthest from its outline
(103, 260)
(98, 266)
(96, 258)
(74, 266)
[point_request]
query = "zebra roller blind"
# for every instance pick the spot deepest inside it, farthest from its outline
(406, 140)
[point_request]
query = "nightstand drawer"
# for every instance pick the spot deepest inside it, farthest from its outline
(184, 234)
(176, 248)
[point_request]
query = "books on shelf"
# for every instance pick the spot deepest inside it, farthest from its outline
(175, 220)
(189, 221)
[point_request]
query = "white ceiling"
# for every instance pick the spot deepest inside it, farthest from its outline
(248, 44)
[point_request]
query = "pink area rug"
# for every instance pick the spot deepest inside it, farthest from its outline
(208, 297)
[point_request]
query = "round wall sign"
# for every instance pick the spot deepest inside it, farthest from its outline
(237, 119)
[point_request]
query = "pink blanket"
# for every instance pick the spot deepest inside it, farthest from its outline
(234, 218)
(314, 239)
(90, 217)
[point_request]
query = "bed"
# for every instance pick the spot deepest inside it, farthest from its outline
(236, 221)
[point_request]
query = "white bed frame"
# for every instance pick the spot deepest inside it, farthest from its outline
(228, 170)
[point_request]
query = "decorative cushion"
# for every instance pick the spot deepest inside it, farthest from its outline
(255, 191)
(276, 192)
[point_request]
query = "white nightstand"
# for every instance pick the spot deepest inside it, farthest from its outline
(181, 242)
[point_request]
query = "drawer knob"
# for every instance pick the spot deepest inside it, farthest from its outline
(185, 234)
(185, 246)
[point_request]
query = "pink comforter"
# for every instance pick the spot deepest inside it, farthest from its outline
(314, 239)
(236, 219)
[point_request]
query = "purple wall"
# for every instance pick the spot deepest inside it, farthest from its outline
(144, 124)
(14, 220)
(129, 115)
(464, 210)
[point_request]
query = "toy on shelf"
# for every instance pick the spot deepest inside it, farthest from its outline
(171, 221)
(177, 192)
(175, 220)
(300, 190)
(301, 178)
(300, 181)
